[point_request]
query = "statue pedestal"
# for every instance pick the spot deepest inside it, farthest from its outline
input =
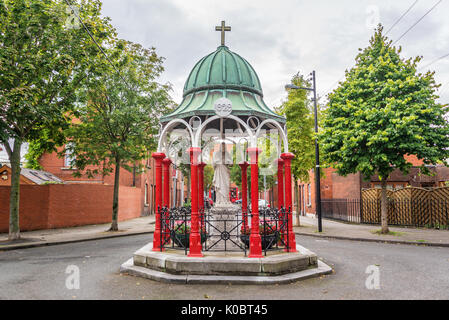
(224, 229)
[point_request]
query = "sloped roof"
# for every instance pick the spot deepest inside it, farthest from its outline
(37, 176)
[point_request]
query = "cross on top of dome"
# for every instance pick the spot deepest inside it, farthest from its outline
(222, 74)
(223, 29)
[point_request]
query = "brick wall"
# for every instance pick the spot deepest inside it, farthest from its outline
(33, 207)
(348, 187)
(413, 160)
(58, 206)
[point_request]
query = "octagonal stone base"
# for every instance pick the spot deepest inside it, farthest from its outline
(224, 267)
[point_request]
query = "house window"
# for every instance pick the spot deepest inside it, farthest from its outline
(69, 156)
(309, 195)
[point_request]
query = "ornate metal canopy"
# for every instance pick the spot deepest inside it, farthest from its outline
(222, 74)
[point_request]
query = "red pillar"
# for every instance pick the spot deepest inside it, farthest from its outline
(244, 167)
(195, 238)
(255, 241)
(201, 192)
(288, 199)
(281, 194)
(158, 156)
(280, 183)
(166, 174)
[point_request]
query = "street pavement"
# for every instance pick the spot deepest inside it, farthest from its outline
(141, 225)
(405, 272)
(341, 230)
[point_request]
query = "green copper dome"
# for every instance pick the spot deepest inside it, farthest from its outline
(222, 69)
(222, 73)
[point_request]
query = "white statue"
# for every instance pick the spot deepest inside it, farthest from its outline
(222, 179)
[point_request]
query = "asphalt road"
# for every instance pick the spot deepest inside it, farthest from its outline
(405, 272)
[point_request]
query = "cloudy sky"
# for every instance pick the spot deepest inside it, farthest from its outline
(280, 38)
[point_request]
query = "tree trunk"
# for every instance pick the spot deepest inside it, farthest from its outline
(384, 208)
(298, 209)
(14, 196)
(114, 225)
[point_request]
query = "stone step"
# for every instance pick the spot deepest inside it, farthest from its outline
(129, 268)
(225, 263)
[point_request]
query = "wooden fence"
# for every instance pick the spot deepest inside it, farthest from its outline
(410, 206)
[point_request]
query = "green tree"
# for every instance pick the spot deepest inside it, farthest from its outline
(118, 125)
(48, 140)
(43, 62)
(298, 111)
(384, 110)
(208, 177)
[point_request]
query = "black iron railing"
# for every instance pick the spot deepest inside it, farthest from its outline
(341, 209)
(224, 234)
(175, 228)
(274, 229)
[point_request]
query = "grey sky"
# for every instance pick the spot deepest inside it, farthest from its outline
(280, 37)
